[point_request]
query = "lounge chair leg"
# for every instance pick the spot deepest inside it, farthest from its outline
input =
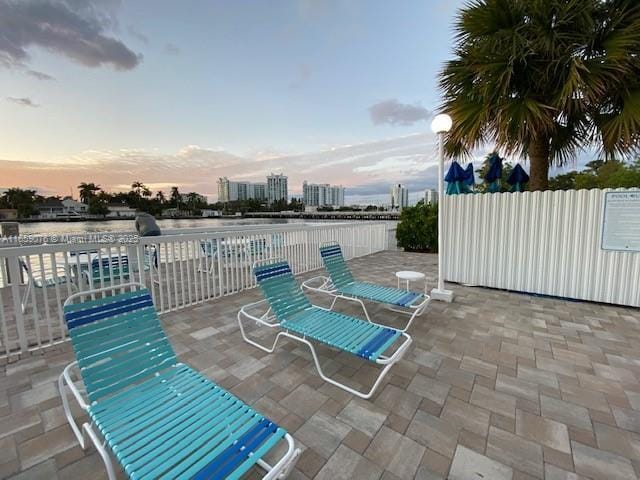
(417, 312)
(65, 380)
(253, 342)
(25, 297)
(62, 381)
(283, 468)
(351, 299)
(364, 309)
(106, 458)
(367, 395)
(333, 304)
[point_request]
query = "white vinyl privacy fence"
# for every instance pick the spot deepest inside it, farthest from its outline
(538, 242)
(180, 270)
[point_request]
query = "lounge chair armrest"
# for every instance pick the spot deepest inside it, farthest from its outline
(320, 284)
(399, 353)
(262, 319)
(59, 268)
(66, 374)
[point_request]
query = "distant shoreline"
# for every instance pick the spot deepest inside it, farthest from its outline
(336, 215)
(109, 219)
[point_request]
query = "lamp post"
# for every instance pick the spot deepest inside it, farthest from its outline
(440, 125)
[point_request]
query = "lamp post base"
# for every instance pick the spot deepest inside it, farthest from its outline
(442, 295)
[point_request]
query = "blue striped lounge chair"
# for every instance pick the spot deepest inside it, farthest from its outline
(207, 261)
(107, 269)
(158, 417)
(291, 314)
(341, 285)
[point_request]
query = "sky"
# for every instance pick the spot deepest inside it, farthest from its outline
(180, 93)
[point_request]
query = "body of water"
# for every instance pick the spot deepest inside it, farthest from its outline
(58, 228)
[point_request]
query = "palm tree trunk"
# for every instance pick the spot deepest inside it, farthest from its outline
(539, 162)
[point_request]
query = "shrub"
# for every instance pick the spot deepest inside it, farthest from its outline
(417, 230)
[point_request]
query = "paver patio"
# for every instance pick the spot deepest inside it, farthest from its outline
(497, 385)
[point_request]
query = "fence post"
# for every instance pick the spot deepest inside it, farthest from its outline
(353, 241)
(14, 273)
(307, 263)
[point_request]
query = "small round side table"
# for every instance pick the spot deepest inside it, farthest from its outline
(409, 276)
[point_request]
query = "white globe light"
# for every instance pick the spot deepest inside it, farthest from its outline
(441, 123)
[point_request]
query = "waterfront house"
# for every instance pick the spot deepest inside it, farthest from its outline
(8, 214)
(120, 210)
(210, 213)
(74, 207)
(50, 208)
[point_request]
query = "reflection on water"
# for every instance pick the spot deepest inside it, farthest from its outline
(127, 225)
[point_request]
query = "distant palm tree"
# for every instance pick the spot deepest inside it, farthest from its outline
(176, 198)
(138, 188)
(87, 191)
(192, 200)
(545, 79)
(160, 196)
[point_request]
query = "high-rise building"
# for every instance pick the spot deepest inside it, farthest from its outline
(257, 191)
(243, 188)
(230, 191)
(430, 196)
(337, 195)
(277, 188)
(224, 194)
(399, 197)
(320, 195)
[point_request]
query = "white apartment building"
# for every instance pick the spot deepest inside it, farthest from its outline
(320, 195)
(277, 188)
(230, 191)
(430, 196)
(224, 190)
(337, 195)
(257, 191)
(399, 197)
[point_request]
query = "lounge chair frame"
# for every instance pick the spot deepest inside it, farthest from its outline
(324, 285)
(269, 320)
(87, 431)
(60, 275)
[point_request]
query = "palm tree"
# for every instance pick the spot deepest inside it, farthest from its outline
(87, 191)
(544, 79)
(192, 200)
(176, 198)
(138, 188)
(160, 197)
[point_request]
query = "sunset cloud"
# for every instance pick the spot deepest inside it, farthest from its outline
(365, 169)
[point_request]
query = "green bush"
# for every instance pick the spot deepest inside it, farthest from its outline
(418, 228)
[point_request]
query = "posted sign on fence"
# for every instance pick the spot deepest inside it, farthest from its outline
(621, 221)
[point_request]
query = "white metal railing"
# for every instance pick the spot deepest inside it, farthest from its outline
(180, 270)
